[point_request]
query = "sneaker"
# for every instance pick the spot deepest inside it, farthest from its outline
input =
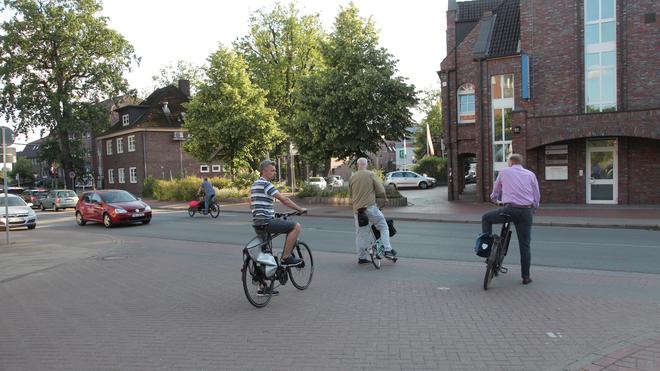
(364, 261)
(266, 292)
(290, 261)
(390, 254)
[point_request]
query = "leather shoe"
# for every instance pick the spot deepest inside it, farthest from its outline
(527, 280)
(364, 261)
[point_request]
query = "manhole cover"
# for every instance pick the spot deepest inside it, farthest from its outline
(113, 257)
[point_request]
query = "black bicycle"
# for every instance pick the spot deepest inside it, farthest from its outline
(262, 270)
(498, 252)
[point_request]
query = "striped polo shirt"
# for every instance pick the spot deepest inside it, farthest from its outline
(261, 200)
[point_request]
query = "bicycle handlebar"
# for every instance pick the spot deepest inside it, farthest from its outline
(290, 213)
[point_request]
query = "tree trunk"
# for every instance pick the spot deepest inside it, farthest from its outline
(327, 167)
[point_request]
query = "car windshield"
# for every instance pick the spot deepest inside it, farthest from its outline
(67, 194)
(118, 196)
(315, 179)
(12, 201)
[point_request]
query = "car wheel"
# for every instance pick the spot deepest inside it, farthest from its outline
(32, 226)
(79, 219)
(423, 185)
(107, 221)
(146, 221)
(43, 208)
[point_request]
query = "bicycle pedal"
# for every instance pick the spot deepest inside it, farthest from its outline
(504, 270)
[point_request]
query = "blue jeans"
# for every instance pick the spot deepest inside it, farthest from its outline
(522, 219)
(363, 234)
(207, 202)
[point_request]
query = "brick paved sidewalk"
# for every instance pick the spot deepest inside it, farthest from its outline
(640, 353)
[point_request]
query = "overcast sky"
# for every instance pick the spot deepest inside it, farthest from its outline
(164, 31)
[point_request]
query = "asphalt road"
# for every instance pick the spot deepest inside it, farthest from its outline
(583, 248)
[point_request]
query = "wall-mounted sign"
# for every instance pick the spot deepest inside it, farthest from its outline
(556, 154)
(556, 173)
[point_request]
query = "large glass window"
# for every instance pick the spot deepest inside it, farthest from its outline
(131, 143)
(466, 104)
(502, 92)
(120, 145)
(600, 55)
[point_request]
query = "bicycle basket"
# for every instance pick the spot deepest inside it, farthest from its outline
(390, 226)
(483, 244)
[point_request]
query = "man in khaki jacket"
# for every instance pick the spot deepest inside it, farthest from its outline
(363, 187)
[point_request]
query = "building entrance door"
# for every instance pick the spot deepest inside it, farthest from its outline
(602, 184)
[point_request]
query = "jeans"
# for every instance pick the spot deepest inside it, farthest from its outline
(522, 219)
(363, 234)
(207, 202)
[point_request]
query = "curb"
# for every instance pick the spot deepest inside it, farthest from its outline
(655, 227)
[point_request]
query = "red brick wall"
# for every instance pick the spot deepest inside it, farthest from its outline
(643, 175)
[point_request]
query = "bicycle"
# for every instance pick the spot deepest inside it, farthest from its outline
(198, 207)
(261, 269)
(376, 250)
(498, 252)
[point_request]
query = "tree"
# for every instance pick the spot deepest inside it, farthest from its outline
(431, 106)
(351, 107)
(22, 167)
(171, 73)
(228, 117)
(58, 59)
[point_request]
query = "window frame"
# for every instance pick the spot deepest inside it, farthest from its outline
(121, 176)
(600, 70)
(131, 143)
(120, 145)
(201, 168)
(125, 119)
(108, 147)
(132, 174)
(111, 176)
(467, 91)
(216, 168)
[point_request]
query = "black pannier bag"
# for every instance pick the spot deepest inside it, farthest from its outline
(390, 225)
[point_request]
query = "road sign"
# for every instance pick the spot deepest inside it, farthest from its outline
(8, 135)
(72, 174)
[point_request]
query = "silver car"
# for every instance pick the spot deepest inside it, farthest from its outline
(400, 179)
(59, 199)
(20, 214)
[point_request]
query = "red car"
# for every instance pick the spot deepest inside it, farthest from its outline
(111, 207)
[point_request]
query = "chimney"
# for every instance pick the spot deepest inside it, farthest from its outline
(184, 86)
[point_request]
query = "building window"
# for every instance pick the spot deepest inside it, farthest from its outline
(124, 119)
(108, 147)
(466, 103)
(132, 173)
(502, 105)
(120, 175)
(111, 176)
(120, 145)
(131, 143)
(203, 168)
(600, 55)
(216, 168)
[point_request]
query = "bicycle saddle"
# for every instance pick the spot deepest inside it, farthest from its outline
(260, 227)
(505, 216)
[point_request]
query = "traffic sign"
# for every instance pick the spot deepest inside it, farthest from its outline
(72, 174)
(8, 135)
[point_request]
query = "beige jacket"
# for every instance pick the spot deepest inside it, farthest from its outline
(363, 187)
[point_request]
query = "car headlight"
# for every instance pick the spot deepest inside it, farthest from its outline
(147, 208)
(119, 210)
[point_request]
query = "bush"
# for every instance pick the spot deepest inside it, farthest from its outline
(149, 184)
(230, 192)
(245, 179)
(435, 167)
(177, 189)
(220, 182)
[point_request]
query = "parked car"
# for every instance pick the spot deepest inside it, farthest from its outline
(471, 176)
(20, 213)
(111, 207)
(317, 182)
(58, 199)
(401, 179)
(13, 190)
(335, 181)
(34, 196)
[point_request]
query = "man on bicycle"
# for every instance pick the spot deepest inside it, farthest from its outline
(209, 193)
(518, 190)
(262, 194)
(363, 187)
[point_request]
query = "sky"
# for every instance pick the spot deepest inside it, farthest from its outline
(164, 31)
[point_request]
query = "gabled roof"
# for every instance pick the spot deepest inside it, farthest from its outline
(471, 11)
(506, 32)
(499, 33)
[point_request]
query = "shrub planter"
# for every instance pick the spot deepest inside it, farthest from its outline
(394, 202)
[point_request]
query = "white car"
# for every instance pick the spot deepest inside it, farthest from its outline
(317, 182)
(401, 179)
(336, 181)
(20, 213)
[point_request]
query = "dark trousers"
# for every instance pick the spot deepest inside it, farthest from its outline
(522, 219)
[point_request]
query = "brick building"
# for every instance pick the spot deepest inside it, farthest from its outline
(147, 140)
(573, 85)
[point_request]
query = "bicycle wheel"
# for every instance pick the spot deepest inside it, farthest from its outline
(301, 275)
(375, 257)
(214, 210)
(491, 266)
(254, 282)
(191, 212)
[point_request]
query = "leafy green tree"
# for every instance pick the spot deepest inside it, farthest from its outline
(22, 167)
(228, 117)
(58, 59)
(282, 48)
(171, 73)
(349, 108)
(431, 106)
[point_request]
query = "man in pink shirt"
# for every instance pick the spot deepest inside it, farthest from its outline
(518, 190)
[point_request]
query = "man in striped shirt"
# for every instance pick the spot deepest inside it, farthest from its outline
(262, 194)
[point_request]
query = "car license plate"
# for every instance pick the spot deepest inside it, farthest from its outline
(137, 215)
(16, 220)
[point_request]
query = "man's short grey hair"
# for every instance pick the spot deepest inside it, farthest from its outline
(362, 161)
(264, 164)
(516, 158)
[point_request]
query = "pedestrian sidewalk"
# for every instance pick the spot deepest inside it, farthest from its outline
(561, 215)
